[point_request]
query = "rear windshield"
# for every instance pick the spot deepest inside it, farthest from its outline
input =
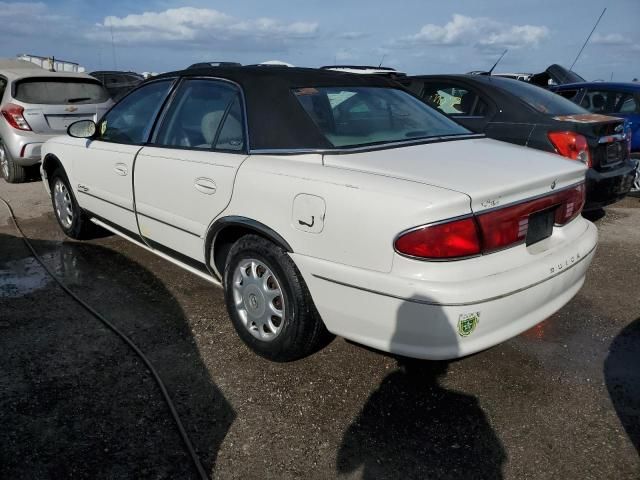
(358, 116)
(58, 91)
(538, 98)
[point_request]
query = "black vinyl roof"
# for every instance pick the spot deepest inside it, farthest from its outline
(275, 118)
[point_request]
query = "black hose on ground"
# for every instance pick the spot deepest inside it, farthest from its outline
(174, 413)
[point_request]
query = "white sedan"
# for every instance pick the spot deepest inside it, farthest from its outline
(329, 203)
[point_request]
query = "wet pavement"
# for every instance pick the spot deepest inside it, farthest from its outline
(560, 401)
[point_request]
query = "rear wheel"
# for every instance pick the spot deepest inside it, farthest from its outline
(9, 169)
(72, 220)
(269, 303)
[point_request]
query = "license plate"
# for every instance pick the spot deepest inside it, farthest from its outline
(540, 226)
(62, 122)
(614, 152)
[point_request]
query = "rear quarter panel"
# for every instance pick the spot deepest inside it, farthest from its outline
(364, 212)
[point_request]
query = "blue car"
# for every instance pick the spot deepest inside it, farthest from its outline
(611, 98)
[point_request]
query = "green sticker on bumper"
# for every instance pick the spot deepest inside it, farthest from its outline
(467, 323)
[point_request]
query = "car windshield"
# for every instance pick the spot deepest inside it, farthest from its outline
(60, 91)
(538, 98)
(359, 116)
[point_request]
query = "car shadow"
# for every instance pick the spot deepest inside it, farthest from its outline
(594, 215)
(76, 402)
(413, 426)
(622, 376)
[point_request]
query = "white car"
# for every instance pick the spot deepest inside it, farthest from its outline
(329, 203)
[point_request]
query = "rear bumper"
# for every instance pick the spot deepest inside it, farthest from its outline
(422, 319)
(605, 188)
(24, 147)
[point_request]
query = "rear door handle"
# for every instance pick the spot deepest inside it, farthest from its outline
(121, 169)
(205, 185)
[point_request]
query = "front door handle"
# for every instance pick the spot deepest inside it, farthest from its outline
(121, 169)
(205, 185)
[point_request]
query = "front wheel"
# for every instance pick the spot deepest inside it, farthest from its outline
(269, 303)
(72, 220)
(635, 189)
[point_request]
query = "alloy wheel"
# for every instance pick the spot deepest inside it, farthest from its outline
(63, 203)
(636, 182)
(258, 299)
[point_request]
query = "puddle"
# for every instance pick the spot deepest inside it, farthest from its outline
(19, 278)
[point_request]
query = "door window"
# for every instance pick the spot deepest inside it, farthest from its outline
(609, 101)
(205, 114)
(130, 121)
(455, 100)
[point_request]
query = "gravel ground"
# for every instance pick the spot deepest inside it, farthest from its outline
(560, 401)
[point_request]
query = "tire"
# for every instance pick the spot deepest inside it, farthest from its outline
(269, 304)
(73, 221)
(9, 169)
(635, 189)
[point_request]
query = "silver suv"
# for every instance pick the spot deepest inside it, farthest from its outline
(36, 105)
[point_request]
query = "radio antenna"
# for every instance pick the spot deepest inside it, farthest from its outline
(113, 47)
(498, 61)
(382, 60)
(587, 40)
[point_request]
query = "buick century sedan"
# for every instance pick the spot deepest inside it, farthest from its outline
(330, 203)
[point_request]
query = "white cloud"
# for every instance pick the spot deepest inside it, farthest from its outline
(352, 35)
(477, 31)
(611, 39)
(198, 26)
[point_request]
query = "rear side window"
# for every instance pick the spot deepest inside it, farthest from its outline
(630, 104)
(454, 100)
(205, 114)
(537, 98)
(60, 91)
(358, 116)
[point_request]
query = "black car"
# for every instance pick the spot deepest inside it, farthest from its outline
(524, 114)
(118, 84)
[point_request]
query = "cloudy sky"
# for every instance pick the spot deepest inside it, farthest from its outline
(415, 36)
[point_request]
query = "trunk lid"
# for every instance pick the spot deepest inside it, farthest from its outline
(605, 135)
(54, 119)
(555, 75)
(490, 172)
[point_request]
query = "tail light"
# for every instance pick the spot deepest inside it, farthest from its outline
(628, 134)
(455, 239)
(571, 145)
(14, 114)
(488, 232)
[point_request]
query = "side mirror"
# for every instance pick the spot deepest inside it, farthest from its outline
(82, 129)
